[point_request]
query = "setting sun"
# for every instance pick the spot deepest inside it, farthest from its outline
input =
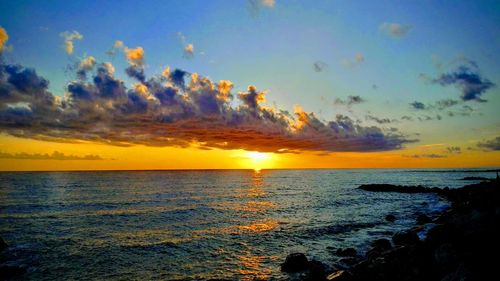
(259, 160)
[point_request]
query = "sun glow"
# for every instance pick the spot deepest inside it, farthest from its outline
(258, 160)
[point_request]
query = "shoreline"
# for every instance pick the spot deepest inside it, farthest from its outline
(457, 245)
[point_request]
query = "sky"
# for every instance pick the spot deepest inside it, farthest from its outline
(255, 84)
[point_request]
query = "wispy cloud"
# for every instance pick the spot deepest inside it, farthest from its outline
(396, 30)
(349, 101)
(493, 144)
(431, 156)
(254, 6)
(45, 156)
(357, 60)
(319, 66)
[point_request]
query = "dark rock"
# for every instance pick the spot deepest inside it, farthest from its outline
(10, 271)
(382, 244)
(348, 262)
(295, 262)
(3, 245)
(445, 256)
(347, 252)
(340, 275)
(316, 272)
(405, 238)
(390, 218)
(423, 219)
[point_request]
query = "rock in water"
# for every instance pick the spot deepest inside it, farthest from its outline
(423, 219)
(390, 218)
(3, 245)
(347, 252)
(405, 238)
(295, 262)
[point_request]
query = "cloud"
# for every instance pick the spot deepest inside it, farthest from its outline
(467, 78)
(454, 149)
(118, 45)
(432, 155)
(378, 120)
(69, 37)
(3, 38)
(418, 105)
(254, 6)
(135, 56)
(319, 66)
(396, 30)
(351, 100)
(178, 109)
(493, 144)
(358, 59)
(54, 156)
(189, 51)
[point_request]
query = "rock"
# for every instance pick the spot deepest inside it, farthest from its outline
(348, 262)
(10, 271)
(340, 275)
(390, 218)
(295, 262)
(405, 238)
(423, 219)
(445, 256)
(347, 252)
(316, 271)
(3, 245)
(382, 244)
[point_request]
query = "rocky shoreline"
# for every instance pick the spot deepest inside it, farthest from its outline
(461, 244)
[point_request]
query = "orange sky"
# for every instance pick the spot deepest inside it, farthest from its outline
(142, 157)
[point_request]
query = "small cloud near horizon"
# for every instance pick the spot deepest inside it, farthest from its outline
(396, 30)
(56, 155)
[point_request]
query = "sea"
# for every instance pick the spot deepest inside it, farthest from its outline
(201, 224)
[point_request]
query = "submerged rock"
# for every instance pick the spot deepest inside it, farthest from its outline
(391, 218)
(3, 245)
(405, 238)
(295, 262)
(10, 271)
(347, 252)
(423, 219)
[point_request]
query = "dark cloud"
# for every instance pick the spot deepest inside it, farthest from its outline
(432, 155)
(54, 156)
(407, 118)
(351, 100)
(418, 105)
(172, 110)
(319, 66)
(379, 120)
(468, 79)
(493, 144)
(454, 149)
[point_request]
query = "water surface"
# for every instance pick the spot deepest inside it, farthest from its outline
(237, 224)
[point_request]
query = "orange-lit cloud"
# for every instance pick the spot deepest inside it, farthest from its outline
(3, 38)
(69, 37)
(168, 111)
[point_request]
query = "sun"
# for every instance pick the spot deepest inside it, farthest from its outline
(258, 160)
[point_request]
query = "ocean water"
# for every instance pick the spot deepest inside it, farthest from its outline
(199, 225)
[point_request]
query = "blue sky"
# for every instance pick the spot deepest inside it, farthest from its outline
(275, 48)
